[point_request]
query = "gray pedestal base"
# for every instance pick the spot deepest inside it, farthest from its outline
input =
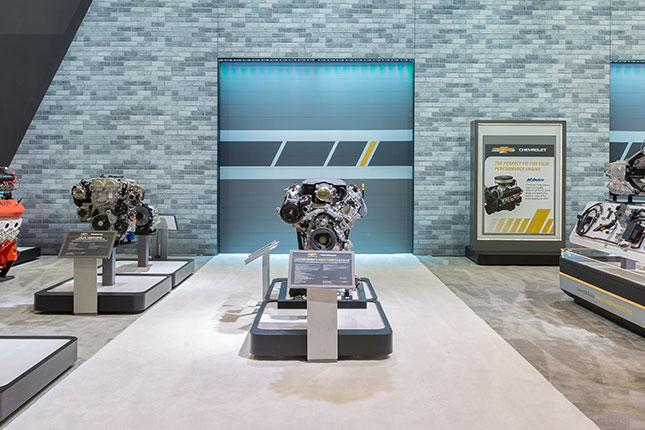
(28, 364)
(178, 270)
(129, 294)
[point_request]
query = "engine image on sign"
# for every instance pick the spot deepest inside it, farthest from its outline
(10, 220)
(505, 195)
(115, 203)
(323, 212)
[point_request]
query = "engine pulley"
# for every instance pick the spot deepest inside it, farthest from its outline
(323, 239)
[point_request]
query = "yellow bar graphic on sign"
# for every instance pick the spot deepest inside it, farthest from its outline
(368, 153)
(491, 226)
(552, 229)
(538, 221)
(508, 225)
(500, 224)
(516, 225)
(523, 226)
(547, 226)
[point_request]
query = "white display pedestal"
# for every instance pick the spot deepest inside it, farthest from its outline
(322, 325)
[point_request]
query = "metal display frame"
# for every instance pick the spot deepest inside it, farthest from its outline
(521, 250)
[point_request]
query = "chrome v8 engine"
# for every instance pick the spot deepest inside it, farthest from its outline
(115, 203)
(323, 212)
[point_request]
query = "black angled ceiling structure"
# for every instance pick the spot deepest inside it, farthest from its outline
(34, 38)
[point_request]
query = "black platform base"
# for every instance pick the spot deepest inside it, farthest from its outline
(279, 332)
(27, 254)
(60, 298)
(507, 259)
(28, 364)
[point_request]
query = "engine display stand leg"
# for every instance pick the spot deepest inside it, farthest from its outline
(143, 250)
(159, 244)
(108, 273)
(266, 273)
(162, 237)
(322, 325)
(85, 287)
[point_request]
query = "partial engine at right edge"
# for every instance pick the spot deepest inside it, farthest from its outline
(614, 226)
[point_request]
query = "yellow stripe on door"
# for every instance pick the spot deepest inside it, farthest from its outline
(368, 153)
(538, 221)
(508, 225)
(547, 226)
(516, 225)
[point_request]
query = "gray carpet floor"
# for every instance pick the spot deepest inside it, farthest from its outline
(598, 365)
(18, 318)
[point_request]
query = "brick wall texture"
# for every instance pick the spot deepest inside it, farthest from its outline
(137, 95)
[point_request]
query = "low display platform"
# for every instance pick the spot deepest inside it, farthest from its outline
(28, 364)
(599, 283)
(130, 294)
(178, 270)
(27, 253)
(281, 332)
(512, 259)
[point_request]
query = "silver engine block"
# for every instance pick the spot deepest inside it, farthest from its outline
(115, 203)
(323, 212)
(627, 177)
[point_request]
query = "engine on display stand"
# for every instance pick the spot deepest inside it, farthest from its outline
(10, 220)
(323, 212)
(115, 203)
(607, 275)
(320, 272)
(614, 224)
(114, 207)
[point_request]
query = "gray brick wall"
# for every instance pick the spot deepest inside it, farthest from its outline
(627, 30)
(137, 95)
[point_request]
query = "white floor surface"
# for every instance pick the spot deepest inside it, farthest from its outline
(185, 365)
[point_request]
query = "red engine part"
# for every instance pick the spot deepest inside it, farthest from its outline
(10, 213)
(11, 209)
(8, 256)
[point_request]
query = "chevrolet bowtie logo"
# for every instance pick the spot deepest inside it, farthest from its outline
(503, 149)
